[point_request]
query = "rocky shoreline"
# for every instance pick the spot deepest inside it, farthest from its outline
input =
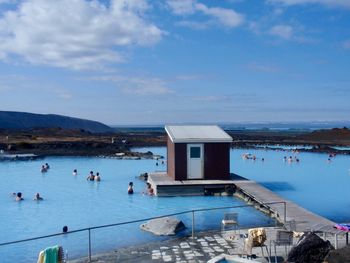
(119, 145)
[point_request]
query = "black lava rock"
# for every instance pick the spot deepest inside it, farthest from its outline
(310, 249)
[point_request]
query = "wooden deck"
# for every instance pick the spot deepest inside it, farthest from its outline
(304, 219)
(164, 185)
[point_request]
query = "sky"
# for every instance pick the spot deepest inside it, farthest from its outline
(134, 62)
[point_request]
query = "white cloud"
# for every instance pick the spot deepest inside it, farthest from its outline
(278, 11)
(282, 31)
(182, 7)
(146, 86)
(226, 17)
(223, 16)
(332, 3)
(194, 24)
(295, 31)
(138, 85)
(75, 34)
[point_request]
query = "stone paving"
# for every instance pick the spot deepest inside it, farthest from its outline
(202, 248)
(182, 250)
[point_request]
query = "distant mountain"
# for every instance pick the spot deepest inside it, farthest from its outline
(278, 126)
(25, 121)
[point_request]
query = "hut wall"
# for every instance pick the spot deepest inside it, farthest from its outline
(217, 161)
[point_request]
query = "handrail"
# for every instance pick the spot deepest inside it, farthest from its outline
(137, 221)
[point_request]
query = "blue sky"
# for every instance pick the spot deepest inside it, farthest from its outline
(173, 61)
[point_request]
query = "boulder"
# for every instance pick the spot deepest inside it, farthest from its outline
(341, 255)
(310, 249)
(165, 226)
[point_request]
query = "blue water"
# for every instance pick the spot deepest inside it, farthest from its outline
(78, 203)
(314, 183)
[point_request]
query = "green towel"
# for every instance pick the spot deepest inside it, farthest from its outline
(51, 254)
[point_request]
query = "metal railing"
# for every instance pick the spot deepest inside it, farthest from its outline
(89, 229)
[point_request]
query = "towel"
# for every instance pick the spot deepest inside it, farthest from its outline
(51, 254)
(41, 257)
(343, 227)
(258, 236)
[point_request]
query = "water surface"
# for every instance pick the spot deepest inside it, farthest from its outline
(77, 203)
(314, 182)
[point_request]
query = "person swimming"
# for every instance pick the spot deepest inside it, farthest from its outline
(65, 229)
(130, 188)
(97, 177)
(37, 197)
(91, 176)
(75, 172)
(19, 197)
(150, 190)
(47, 166)
(43, 169)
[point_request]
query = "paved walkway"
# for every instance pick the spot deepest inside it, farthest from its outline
(202, 248)
(181, 250)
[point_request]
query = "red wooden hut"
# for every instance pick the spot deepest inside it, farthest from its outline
(198, 152)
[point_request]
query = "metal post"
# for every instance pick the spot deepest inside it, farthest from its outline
(335, 241)
(192, 224)
(89, 245)
(285, 212)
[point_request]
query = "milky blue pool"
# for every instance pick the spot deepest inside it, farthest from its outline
(78, 203)
(314, 183)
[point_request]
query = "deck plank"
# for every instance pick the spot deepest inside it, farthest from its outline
(305, 219)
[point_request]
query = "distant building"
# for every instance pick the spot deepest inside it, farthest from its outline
(198, 152)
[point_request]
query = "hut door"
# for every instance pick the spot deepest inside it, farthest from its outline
(195, 161)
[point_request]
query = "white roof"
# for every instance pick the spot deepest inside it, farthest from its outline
(197, 133)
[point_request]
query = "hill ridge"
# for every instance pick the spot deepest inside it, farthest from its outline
(14, 120)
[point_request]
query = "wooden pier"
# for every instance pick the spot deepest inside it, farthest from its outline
(164, 185)
(284, 210)
(305, 220)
